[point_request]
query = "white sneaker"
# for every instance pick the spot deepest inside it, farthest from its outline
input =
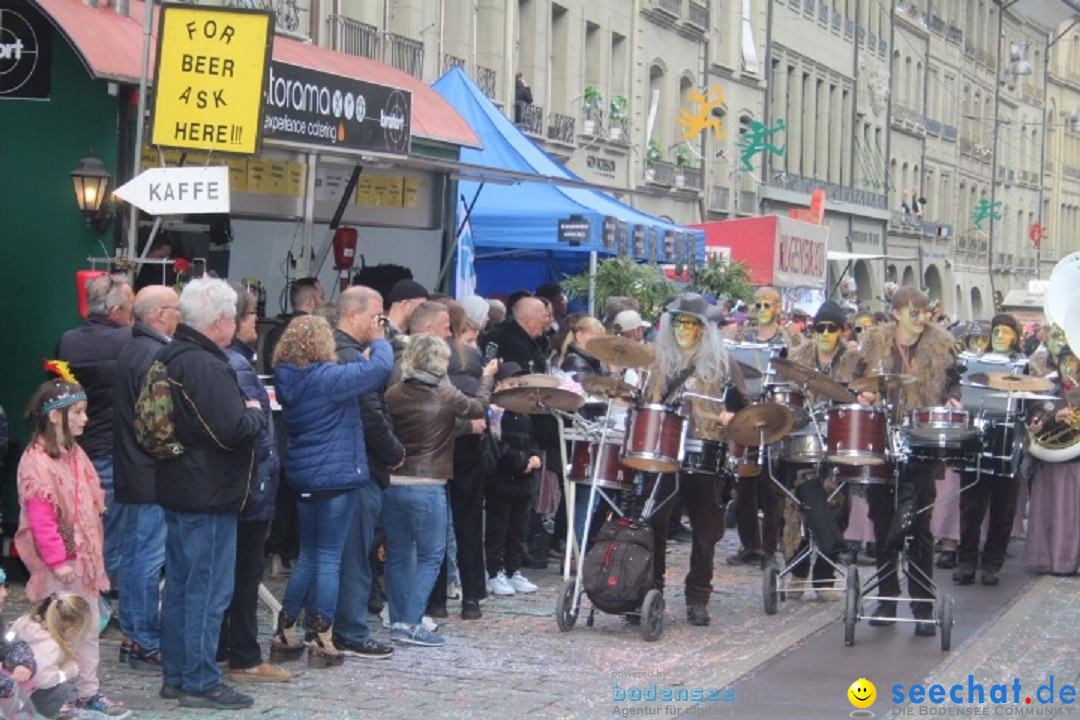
(521, 584)
(499, 585)
(453, 591)
(384, 615)
(429, 624)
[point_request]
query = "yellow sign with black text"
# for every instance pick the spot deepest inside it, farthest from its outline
(210, 77)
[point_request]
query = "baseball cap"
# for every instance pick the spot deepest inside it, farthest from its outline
(406, 289)
(629, 320)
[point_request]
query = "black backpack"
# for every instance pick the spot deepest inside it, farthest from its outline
(618, 569)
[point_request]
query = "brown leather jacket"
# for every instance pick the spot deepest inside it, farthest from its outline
(424, 412)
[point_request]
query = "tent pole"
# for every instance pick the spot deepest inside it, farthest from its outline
(457, 233)
(592, 283)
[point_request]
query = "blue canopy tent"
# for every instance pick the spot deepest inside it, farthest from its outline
(515, 228)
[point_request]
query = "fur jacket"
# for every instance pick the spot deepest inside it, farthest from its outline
(933, 363)
(846, 365)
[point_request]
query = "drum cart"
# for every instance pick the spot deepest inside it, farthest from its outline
(856, 592)
(650, 613)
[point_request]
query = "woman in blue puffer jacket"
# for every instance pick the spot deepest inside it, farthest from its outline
(325, 460)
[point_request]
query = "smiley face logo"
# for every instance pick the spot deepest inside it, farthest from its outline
(862, 693)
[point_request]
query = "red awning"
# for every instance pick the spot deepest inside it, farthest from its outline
(110, 45)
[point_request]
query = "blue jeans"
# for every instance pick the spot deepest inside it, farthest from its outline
(352, 603)
(114, 522)
(200, 559)
(414, 518)
(323, 526)
(144, 556)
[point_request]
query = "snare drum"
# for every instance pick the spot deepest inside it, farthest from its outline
(703, 456)
(743, 460)
(865, 474)
(610, 474)
(654, 439)
(941, 433)
(856, 435)
(802, 449)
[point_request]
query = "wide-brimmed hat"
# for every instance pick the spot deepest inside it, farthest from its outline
(698, 306)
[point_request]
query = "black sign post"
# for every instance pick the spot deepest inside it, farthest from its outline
(316, 108)
(574, 230)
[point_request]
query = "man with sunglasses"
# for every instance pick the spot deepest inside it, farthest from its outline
(911, 346)
(752, 494)
(826, 353)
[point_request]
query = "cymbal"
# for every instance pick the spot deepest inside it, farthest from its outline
(749, 372)
(545, 381)
(745, 428)
(814, 381)
(620, 351)
(607, 387)
(537, 400)
(1008, 381)
(883, 382)
(1023, 395)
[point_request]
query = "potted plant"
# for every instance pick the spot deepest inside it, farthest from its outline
(653, 155)
(682, 161)
(619, 105)
(593, 106)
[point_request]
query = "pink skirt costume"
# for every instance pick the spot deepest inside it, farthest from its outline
(1053, 528)
(57, 498)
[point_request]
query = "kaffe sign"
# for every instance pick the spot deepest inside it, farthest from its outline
(316, 108)
(209, 79)
(25, 54)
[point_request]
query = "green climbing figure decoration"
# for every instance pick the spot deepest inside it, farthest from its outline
(754, 141)
(985, 210)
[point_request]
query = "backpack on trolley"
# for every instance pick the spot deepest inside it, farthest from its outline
(618, 569)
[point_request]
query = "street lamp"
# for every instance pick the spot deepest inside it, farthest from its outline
(90, 180)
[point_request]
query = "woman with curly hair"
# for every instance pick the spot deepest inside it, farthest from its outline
(325, 463)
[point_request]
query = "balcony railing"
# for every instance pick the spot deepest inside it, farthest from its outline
(286, 12)
(671, 6)
(530, 118)
(451, 61)
(662, 172)
(849, 28)
(485, 78)
(871, 42)
(693, 178)
(954, 34)
(354, 38)
(948, 132)
(838, 193)
(937, 25)
(823, 13)
(405, 54)
(837, 20)
(699, 15)
(933, 127)
(560, 128)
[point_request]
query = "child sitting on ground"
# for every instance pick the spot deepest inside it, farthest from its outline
(16, 664)
(53, 629)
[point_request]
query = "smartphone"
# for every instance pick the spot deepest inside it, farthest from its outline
(491, 352)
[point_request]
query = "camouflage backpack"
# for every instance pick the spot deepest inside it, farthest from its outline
(154, 428)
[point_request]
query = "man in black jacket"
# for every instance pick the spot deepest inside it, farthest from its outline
(201, 491)
(358, 324)
(157, 313)
(518, 337)
(91, 350)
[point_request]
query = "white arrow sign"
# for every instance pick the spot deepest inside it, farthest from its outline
(176, 191)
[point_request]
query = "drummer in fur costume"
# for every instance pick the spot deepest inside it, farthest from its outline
(911, 345)
(690, 357)
(827, 354)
